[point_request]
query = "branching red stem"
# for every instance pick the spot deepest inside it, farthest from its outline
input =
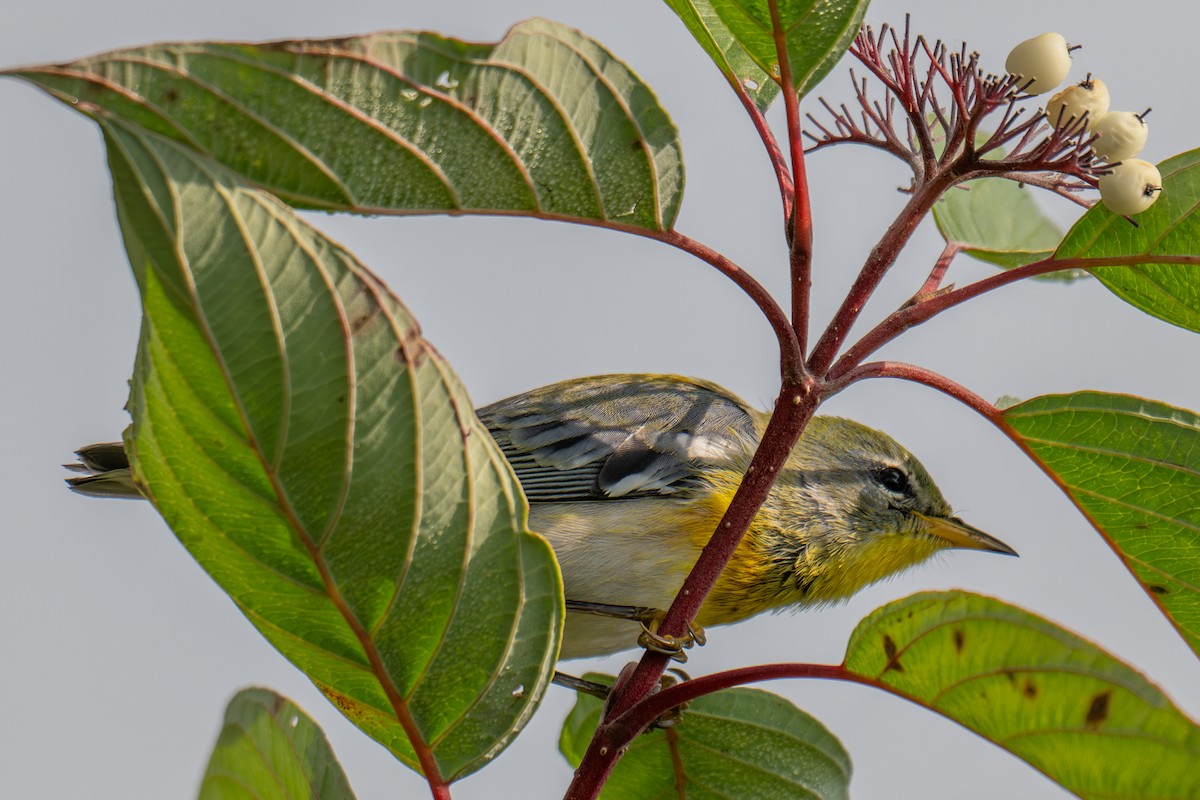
(936, 275)
(899, 151)
(878, 262)
(1053, 182)
(634, 702)
(921, 311)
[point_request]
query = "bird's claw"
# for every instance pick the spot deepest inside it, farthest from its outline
(671, 717)
(673, 646)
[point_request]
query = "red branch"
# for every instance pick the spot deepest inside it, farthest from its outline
(936, 275)
(910, 372)
(923, 309)
(799, 224)
(882, 257)
(993, 415)
(778, 163)
(676, 695)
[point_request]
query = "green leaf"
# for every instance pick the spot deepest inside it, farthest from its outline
(743, 743)
(999, 223)
(323, 464)
(1170, 228)
(1089, 722)
(702, 20)
(269, 749)
(817, 33)
(545, 122)
(1133, 467)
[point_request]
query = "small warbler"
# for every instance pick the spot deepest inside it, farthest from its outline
(628, 476)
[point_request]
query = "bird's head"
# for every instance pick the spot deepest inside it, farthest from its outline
(852, 507)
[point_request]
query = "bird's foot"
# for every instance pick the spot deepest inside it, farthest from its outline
(673, 646)
(671, 717)
(650, 618)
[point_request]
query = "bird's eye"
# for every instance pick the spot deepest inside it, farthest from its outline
(894, 480)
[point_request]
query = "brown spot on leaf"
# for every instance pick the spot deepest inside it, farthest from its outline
(170, 95)
(362, 320)
(1157, 588)
(338, 699)
(1098, 711)
(889, 650)
(353, 709)
(415, 358)
(636, 145)
(412, 336)
(959, 640)
(1030, 690)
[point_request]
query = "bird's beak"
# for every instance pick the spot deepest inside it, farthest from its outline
(960, 534)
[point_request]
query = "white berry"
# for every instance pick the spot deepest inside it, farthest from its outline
(1120, 135)
(1042, 62)
(1068, 107)
(1131, 187)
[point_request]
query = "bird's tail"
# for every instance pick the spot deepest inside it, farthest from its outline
(106, 471)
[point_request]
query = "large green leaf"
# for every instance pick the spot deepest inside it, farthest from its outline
(817, 33)
(269, 749)
(321, 461)
(1087, 721)
(702, 20)
(1133, 467)
(1171, 227)
(545, 122)
(999, 222)
(743, 743)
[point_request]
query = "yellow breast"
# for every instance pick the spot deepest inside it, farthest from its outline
(638, 552)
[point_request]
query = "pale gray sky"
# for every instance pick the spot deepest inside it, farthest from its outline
(119, 652)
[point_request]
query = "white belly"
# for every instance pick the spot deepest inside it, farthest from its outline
(608, 557)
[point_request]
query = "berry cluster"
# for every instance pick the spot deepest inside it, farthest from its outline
(1128, 185)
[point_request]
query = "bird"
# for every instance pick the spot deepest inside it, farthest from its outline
(627, 477)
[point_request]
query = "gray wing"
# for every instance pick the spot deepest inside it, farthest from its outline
(620, 436)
